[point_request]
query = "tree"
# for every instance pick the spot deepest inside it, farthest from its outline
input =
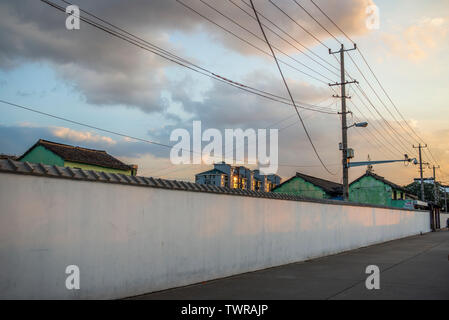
(415, 188)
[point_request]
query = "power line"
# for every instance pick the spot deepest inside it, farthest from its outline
(288, 35)
(382, 117)
(314, 19)
(367, 129)
(256, 36)
(246, 41)
(142, 44)
(324, 13)
(324, 28)
(79, 123)
(377, 80)
(227, 153)
(378, 97)
(358, 87)
(388, 96)
(288, 90)
(88, 125)
(373, 124)
(299, 25)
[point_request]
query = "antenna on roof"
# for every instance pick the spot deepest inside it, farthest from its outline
(369, 167)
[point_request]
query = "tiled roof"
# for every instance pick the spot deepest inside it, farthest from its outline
(213, 171)
(37, 169)
(7, 156)
(328, 186)
(81, 155)
(382, 179)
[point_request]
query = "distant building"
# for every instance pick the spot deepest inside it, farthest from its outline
(52, 153)
(311, 187)
(425, 180)
(237, 177)
(373, 189)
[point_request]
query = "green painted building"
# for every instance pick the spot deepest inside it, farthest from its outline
(310, 187)
(63, 155)
(373, 189)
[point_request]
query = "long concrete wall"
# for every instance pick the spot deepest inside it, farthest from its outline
(443, 220)
(129, 240)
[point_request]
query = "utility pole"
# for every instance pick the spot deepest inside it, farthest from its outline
(435, 186)
(420, 170)
(445, 199)
(344, 126)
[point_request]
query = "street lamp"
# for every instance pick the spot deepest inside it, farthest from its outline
(359, 125)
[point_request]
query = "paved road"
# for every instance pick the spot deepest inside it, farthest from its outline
(411, 268)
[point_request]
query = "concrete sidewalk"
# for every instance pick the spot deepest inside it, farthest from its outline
(411, 268)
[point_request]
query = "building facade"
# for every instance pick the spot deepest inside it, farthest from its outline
(63, 155)
(237, 177)
(373, 189)
(311, 187)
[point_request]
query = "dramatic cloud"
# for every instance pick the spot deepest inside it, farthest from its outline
(218, 107)
(108, 71)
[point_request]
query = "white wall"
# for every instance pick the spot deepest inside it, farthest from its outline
(443, 219)
(131, 240)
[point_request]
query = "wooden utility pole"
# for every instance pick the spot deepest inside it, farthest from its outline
(344, 125)
(435, 186)
(445, 199)
(423, 198)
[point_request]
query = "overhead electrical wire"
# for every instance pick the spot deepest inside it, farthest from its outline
(145, 45)
(377, 131)
(373, 125)
(299, 25)
(412, 130)
(333, 36)
(371, 70)
(246, 41)
(225, 80)
(258, 37)
(188, 166)
(287, 41)
(314, 19)
(116, 133)
(378, 97)
(288, 90)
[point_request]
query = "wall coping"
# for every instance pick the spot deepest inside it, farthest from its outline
(41, 170)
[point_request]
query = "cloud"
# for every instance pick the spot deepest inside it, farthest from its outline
(80, 136)
(108, 71)
(295, 152)
(218, 106)
(17, 139)
(350, 15)
(418, 41)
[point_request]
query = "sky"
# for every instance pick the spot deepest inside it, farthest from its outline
(89, 76)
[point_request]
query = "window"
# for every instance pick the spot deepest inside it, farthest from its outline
(244, 183)
(235, 182)
(268, 188)
(394, 195)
